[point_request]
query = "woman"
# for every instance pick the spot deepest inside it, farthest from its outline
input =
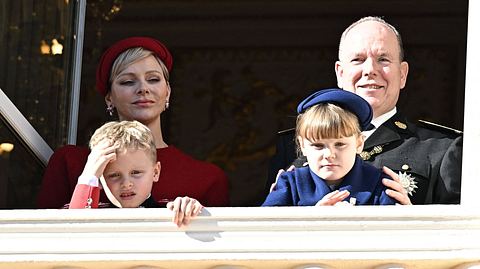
(133, 76)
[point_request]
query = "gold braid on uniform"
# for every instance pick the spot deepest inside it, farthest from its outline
(366, 155)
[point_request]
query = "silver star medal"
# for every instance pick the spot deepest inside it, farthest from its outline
(408, 182)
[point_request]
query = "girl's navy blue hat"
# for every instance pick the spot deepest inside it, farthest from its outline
(344, 99)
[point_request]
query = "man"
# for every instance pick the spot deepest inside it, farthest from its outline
(428, 161)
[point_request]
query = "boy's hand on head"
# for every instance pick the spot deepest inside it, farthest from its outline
(184, 209)
(99, 157)
(333, 198)
(395, 189)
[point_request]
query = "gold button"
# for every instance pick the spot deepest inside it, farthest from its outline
(405, 167)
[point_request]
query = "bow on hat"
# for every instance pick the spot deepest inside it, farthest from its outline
(109, 56)
(345, 99)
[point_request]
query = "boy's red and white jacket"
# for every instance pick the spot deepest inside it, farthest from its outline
(86, 193)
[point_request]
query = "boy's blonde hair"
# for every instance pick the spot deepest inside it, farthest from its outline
(325, 121)
(130, 56)
(126, 135)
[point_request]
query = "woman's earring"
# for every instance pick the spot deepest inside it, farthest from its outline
(110, 110)
(167, 104)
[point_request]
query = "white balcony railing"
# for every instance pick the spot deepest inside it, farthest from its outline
(284, 237)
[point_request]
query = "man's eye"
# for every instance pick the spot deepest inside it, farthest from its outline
(136, 172)
(384, 60)
(357, 60)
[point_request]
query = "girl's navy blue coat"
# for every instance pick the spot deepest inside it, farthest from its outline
(302, 187)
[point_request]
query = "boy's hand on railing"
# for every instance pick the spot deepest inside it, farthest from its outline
(184, 209)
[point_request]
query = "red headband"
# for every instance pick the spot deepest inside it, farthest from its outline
(109, 56)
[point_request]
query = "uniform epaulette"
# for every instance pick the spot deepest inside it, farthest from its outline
(285, 131)
(438, 127)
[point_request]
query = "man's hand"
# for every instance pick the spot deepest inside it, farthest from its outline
(395, 189)
(184, 209)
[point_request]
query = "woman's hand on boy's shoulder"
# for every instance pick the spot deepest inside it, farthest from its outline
(184, 209)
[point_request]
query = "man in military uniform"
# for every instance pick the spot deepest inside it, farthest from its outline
(426, 157)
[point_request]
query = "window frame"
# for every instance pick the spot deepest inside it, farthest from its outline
(471, 110)
(471, 137)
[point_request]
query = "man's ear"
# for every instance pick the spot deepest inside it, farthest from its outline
(403, 74)
(339, 73)
(156, 171)
(360, 143)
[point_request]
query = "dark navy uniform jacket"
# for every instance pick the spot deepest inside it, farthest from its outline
(432, 156)
(302, 187)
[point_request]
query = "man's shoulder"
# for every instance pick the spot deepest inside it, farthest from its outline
(421, 128)
(431, 129)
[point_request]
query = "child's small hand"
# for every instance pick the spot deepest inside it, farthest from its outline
(99, 157)
(333, 198)
(184, 209)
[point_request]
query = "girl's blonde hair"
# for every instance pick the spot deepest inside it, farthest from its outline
(126, 135)
(325, 121)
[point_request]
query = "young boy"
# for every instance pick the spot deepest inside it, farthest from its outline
(124, 153)
(328, 133)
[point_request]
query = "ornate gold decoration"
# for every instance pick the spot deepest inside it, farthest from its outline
(408, 182)
(401, 125)
(366, 155)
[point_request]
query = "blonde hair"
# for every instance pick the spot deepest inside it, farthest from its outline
(325, 121)
(126, 135)
(131, 56)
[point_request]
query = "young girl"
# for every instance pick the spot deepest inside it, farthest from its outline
(328, 133)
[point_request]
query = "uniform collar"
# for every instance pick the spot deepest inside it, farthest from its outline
(391, 130)
(384, 117)
(360, 181)
(378, 121)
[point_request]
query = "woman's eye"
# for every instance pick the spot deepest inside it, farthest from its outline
(155, 79)
(126, 82)
(339, 144)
